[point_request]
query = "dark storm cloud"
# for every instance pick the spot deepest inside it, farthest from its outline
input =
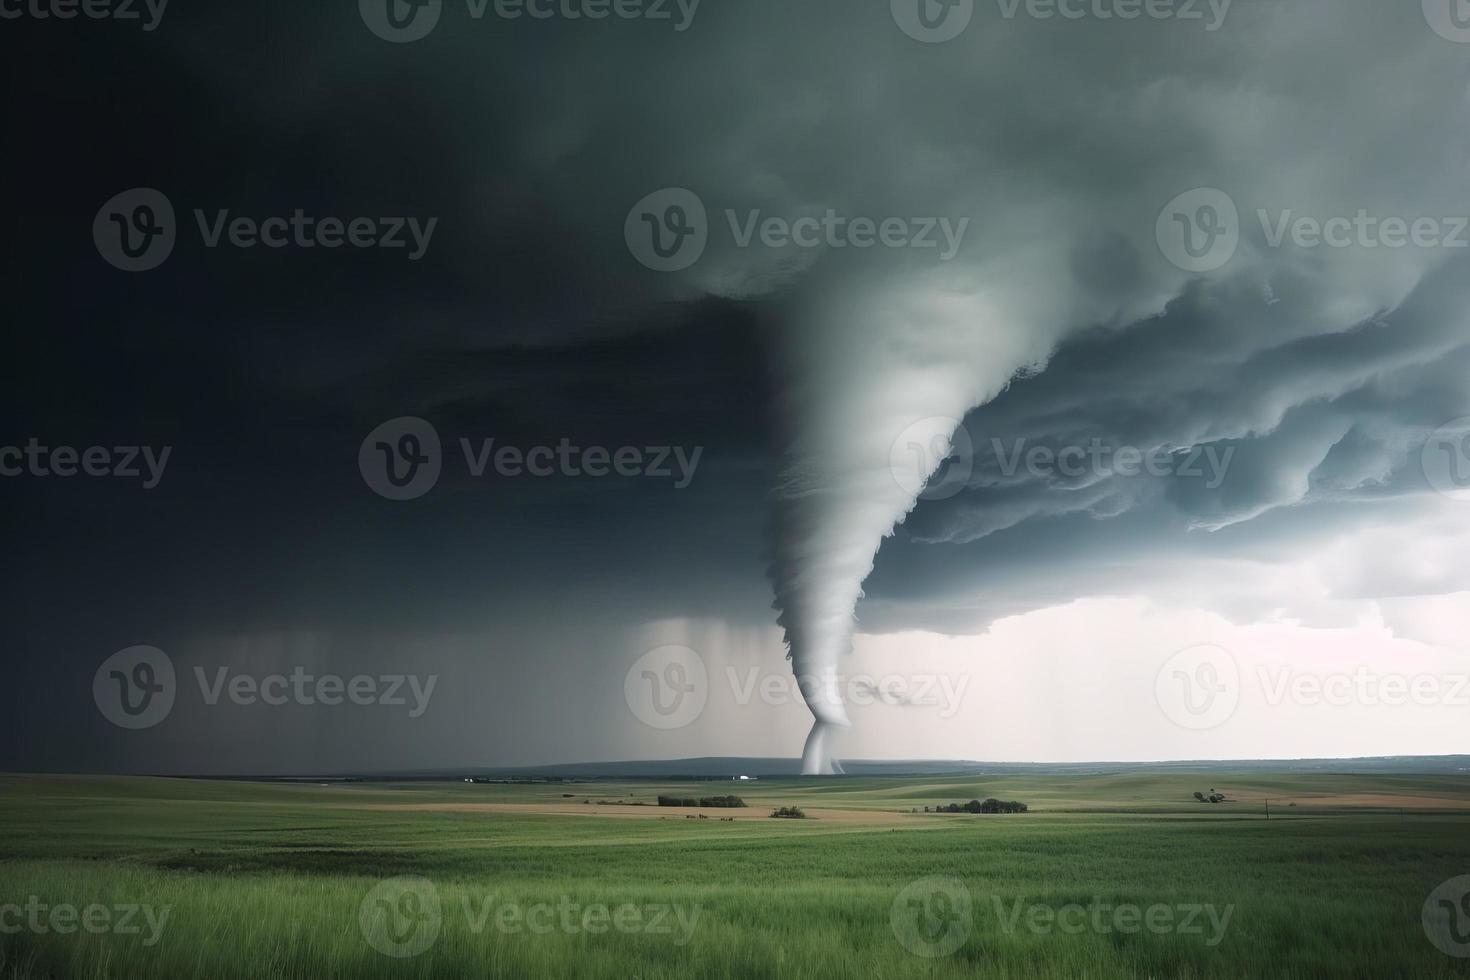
(528, 320)
(1323, 434)
(1297, 417)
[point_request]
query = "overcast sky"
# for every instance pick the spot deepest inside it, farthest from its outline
(1192, 288)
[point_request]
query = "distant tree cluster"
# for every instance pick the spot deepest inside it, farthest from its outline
(975, 806)
(726, 802)
(789, 812)
(1213, 797)
(723, 802)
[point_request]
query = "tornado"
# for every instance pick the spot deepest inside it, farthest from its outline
(873, 389)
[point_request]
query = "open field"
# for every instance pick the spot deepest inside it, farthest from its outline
(1109, 876)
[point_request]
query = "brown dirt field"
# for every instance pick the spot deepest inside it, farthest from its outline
(869, 817)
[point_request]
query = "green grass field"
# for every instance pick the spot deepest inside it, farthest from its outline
(278, 880)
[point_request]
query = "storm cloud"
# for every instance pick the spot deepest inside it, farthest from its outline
(1303, 380)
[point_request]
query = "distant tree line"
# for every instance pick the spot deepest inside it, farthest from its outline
(788, 812)
(976, 807)
(724, 802)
